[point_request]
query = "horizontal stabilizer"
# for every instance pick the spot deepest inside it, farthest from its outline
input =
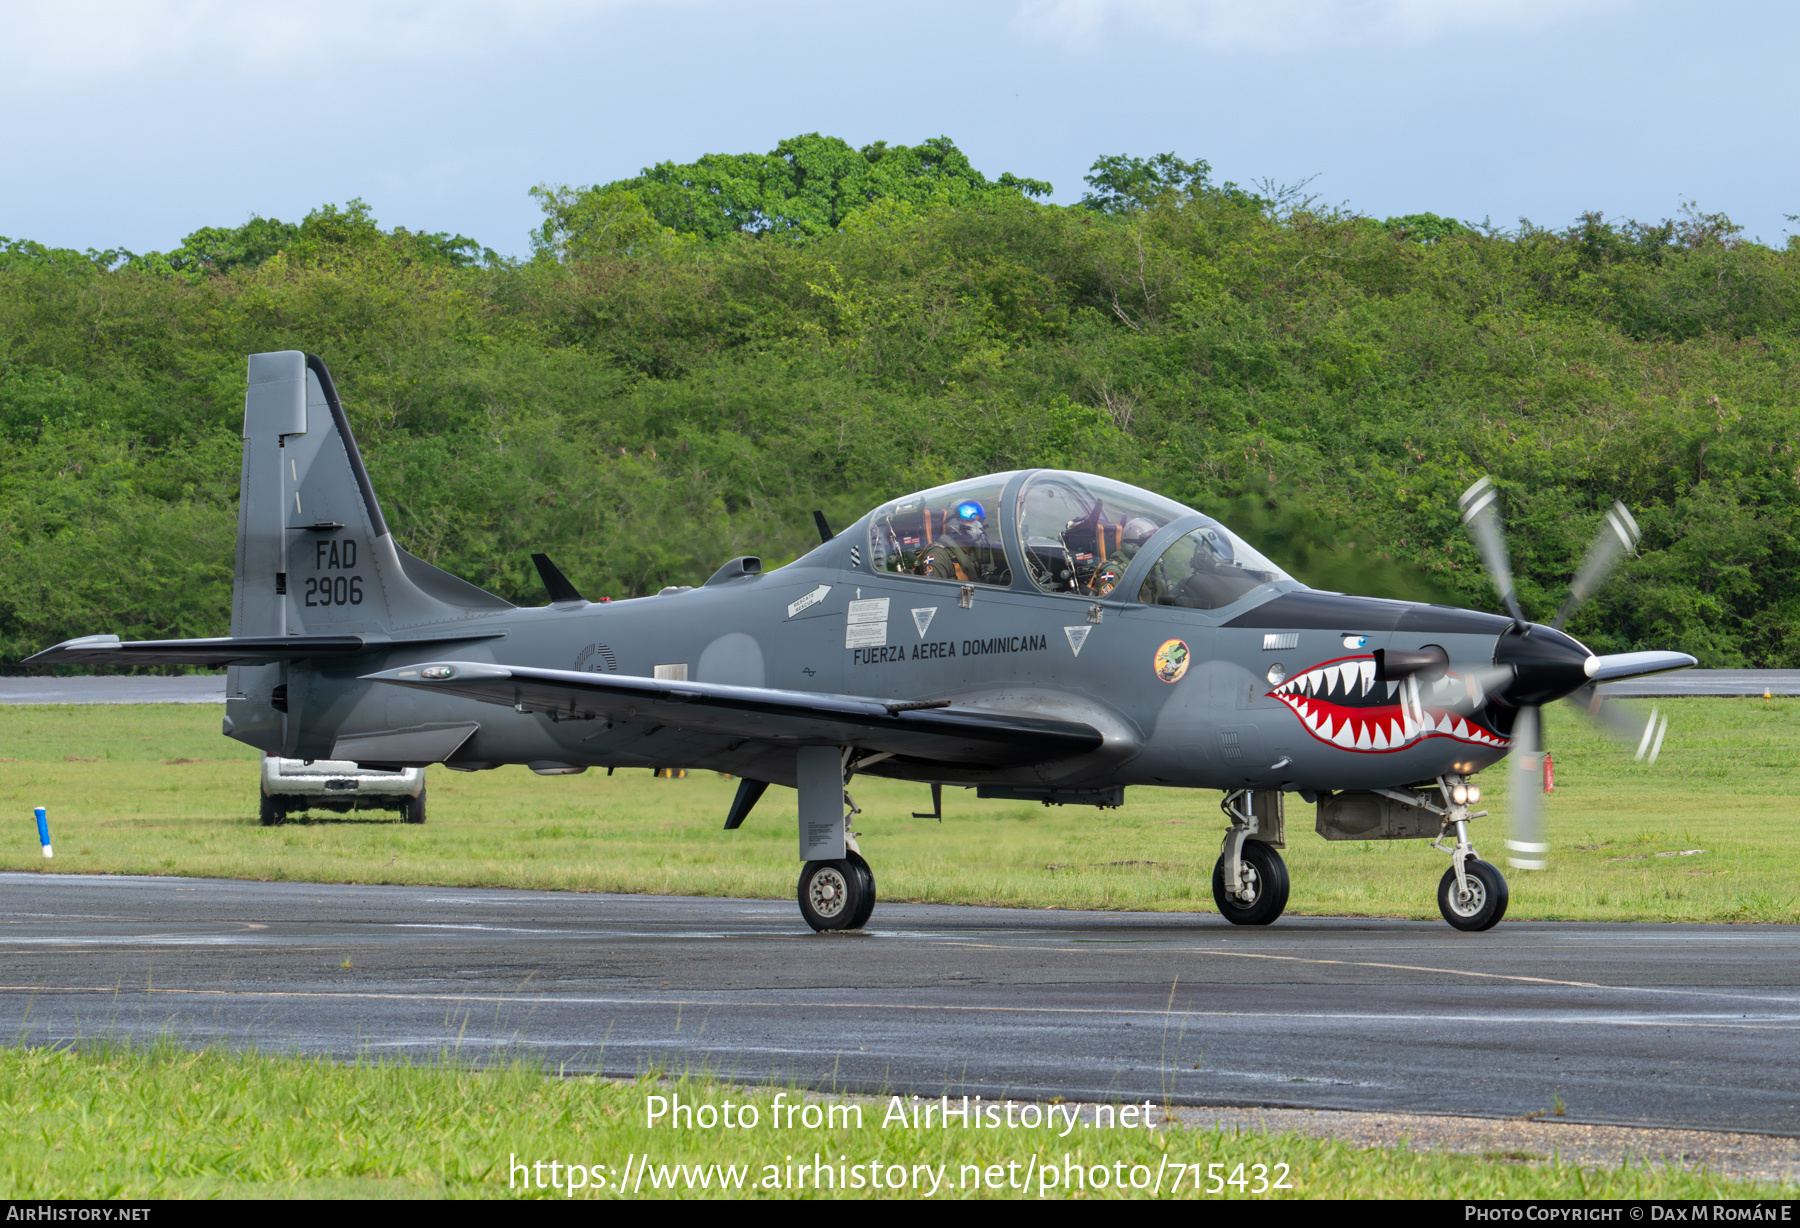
(226, 650)
(1636, 665)
(953, 734)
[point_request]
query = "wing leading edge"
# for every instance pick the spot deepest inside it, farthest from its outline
(226, 650)
(967, 735)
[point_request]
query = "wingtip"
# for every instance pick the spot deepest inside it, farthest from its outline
(78, 644)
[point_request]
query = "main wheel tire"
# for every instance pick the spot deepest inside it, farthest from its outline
(867, 908)
(1268, 882)
(831, 894)
(413, 809)
(273, 813)
(1485, 903)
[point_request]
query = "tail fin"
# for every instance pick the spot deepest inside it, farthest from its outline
(315, 557)
(314, 553)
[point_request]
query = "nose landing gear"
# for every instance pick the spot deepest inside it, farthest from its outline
(1472, 895)
(1478, 902)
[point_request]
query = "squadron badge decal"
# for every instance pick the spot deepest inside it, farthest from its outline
(1172, 660)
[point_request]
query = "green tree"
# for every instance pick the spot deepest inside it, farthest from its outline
(642, 403)
(806, 186)
(1120, 183)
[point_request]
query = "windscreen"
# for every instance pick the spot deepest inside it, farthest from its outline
(1206, 570)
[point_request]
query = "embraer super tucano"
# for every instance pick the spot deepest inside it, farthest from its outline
(1036, 635)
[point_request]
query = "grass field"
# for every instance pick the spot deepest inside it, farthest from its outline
(157, 790)
(162, 1123)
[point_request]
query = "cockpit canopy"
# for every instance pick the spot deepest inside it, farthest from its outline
(949, 533)
(1070, 533)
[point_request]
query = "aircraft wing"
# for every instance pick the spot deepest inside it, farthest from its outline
(933, 731)
(224, 650)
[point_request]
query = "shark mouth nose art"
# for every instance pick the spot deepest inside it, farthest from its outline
(1342, 705)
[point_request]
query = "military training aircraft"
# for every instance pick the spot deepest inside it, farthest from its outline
(1036, 635)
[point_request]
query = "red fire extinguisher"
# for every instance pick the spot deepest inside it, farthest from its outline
(1549, 774)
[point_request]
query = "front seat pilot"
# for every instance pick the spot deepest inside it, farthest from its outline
(964, 552)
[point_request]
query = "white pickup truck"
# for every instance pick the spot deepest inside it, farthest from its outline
(294, 786)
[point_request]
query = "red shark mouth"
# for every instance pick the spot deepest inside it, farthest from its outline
(1342, 705)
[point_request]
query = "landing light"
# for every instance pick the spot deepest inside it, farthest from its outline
(1459, 794)
(1277, 674)
(438, 671)
(1474, 794)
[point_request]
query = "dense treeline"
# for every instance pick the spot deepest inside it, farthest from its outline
(695, 358)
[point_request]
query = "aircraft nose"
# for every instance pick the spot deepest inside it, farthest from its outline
(1546, 665)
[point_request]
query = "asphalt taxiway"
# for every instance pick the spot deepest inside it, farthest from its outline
(1670, 1025)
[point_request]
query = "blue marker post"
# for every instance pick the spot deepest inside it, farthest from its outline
(43, 829)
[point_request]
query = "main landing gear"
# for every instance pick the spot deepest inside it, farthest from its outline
(837, 894)
(836, 888)
(1250, 880)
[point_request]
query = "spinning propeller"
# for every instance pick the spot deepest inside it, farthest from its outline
(1536, 664)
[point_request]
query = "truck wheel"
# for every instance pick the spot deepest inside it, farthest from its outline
(274, 814)
(413, 809)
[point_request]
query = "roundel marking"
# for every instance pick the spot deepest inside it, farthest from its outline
(1172, 660)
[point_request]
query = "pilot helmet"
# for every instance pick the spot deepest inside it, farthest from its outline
(969, 518)
(1215, 544)
(1133, 534)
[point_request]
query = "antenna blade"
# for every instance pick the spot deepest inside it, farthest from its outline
(555, 583)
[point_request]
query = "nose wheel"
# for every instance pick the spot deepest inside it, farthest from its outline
(1478, 902)
(838, 894)
(1261, 892)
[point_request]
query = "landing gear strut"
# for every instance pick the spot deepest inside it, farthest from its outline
(837, 888)
(1472, 895)
(1250, 881)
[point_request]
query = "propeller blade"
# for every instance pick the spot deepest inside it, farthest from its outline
(1526, 848)
(1631, 724)
(1619, 536)
(1483, 521)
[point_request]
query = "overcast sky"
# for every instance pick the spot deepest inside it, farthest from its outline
(132, 122)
